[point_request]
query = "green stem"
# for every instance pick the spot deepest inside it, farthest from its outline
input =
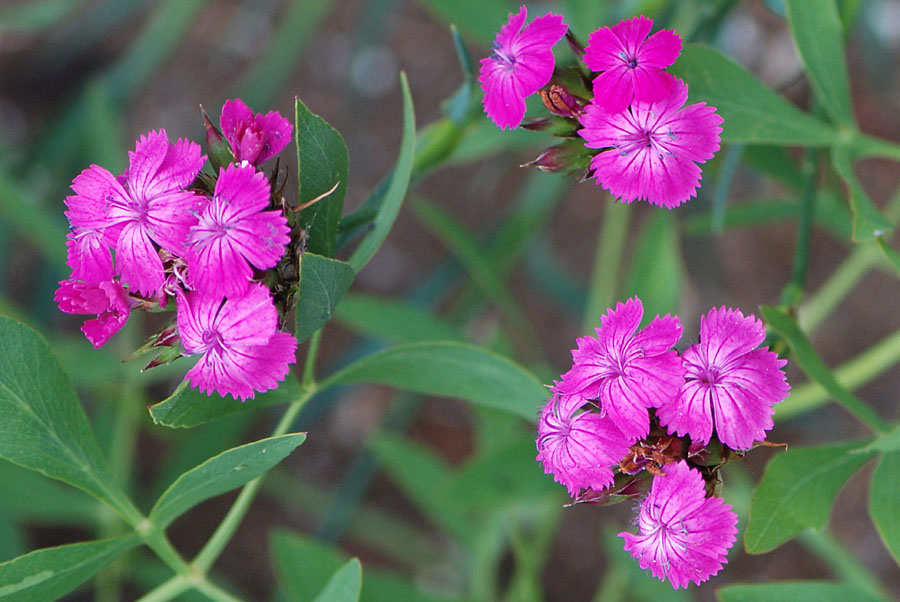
(607, 262)
(871, 147)
(168, 590)
(843, 563)
(157, 541)
(225, 531)
(853, 374)
(843, 280)
(213, 591)
(794, 290)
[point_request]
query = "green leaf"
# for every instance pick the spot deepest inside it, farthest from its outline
(811, 364)
(224, 472)
(187, 408)
(480, 20)
(396, 191)
(393, 320)
(344, 585)
(656, 272)
(450, 369)
(889, 252)
(51, 573)
(321, 164)
(753, 113)
(819, 36)
(797, 491)
(795, 591)
(323, 281)
(884, 502)
(42, 425)
(868, 223)
(303, 564)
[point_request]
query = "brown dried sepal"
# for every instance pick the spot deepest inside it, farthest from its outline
(652, 456)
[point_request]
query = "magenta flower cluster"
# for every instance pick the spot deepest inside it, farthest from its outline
(631, 402)
(649, 142)
(152, 234)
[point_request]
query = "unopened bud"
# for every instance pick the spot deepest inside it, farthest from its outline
(217, 148)
(560, 101)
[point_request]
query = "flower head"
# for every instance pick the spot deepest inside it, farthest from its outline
(729, 381)
(684, 535)
(234, 232)
(148, 204)
(242, 350)
(108, 300)
(578, 446)
(631, 63)
(521, 64)
(651, 150)
(254, 138)
(626, 370)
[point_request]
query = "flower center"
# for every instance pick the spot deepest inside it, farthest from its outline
(211, 340)
(503, 56)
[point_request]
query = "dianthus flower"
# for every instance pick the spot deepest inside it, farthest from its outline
(684, 535)
(631, 64)
(108, 300)
(652, 149)
(729, 381)
(148, 204)
(577, 445)
(521, 64)
(88, 254)
(243, 351)
(253, 138)
(626, 370)
(233, 232)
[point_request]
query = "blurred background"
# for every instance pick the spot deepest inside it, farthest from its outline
(431, 491)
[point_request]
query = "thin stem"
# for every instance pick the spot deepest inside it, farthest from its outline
(214, 592)
(869, 146)
(158, 542)
(793, 292)
(225, 531)
(607, 262)
(168, 590)
(843, 563)
(853, 374)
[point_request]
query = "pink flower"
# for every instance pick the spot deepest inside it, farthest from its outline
(242, 349)
(233, 232)
(652, 149)
(626, 371)
(88, 254)
(254, 138)
(727, 381)
(148, 204)
(521, 64)
(632, 64)
(578, 447)
(684, 535)
(108, 300)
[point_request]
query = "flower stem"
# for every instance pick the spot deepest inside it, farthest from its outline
(793, 292)
(607, 261)
(853, 374)
(168, 590)
(225, 531)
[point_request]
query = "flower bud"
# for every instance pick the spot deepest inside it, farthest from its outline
(560, 101)
(217, 147)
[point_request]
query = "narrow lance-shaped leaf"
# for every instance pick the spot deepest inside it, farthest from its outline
(795, 591)
(187, 408)
(884, 502)
(797, 491)
(42, 425)
(229, 470)
(396, 190)
(810, 362)
(868, 223)
(321, 164)
(344, 585)
(51, 573)
(819, 36)
(450, 369)
(753, 113)
(323, 282)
